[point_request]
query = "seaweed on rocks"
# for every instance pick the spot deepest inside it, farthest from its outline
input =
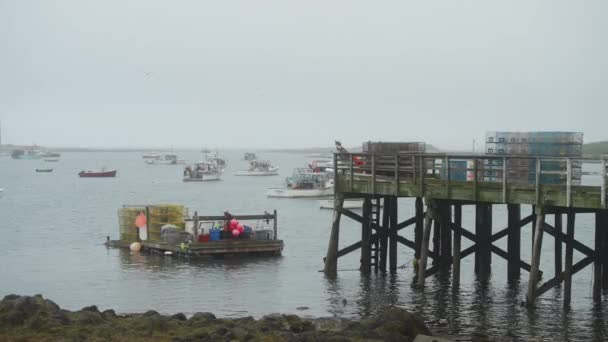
(33, 318)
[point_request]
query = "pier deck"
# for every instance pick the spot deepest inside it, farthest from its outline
(439, 182)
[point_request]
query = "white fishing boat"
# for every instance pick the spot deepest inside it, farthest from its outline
(259, 168)
(304, 183)
(166, 159)
(202, 171)
(31, 153)
(151, 156)
(213, 157)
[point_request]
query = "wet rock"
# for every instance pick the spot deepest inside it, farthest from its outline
(109, 313)
(92, 308)
(201, 318)
(35, 318)
(180, 317)
(151, 313)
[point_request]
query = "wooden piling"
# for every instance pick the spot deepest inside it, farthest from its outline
(535, 264)
(604, 225)
(558, 244)
(457, 245)
(513, 241)
(597, 262)
(383, 233)
(446, 232)
(393, 238)
(570, 216)
(418, 228)
(437, 240)
(331, 260)
(483, 232)
(366, 232)
(533, 229)
(424, 251)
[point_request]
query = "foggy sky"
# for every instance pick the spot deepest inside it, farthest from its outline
(280, 73)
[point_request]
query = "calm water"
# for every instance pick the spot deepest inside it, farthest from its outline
(53, 227)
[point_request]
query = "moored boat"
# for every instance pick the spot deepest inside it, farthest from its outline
(151, 156)
(97, 174)
(202, 171)
(249, 156)
(166, 159)
(51, 160)
(304, 183)
(32, 153)
(49, 154)
(44, 170)
(259, 168)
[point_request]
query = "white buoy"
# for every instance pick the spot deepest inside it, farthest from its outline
(135, 246)
(168, 253)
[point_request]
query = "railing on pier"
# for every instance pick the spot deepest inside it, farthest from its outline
(554, 181)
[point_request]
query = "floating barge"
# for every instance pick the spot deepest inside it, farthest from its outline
(260, 240)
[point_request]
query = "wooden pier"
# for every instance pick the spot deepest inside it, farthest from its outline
(429, 180)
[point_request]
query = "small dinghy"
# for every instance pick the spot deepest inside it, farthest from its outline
(44, 170)
(97, 174)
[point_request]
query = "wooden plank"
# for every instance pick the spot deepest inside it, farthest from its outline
(558, 245)
(238, 217)
(366, 232)
(557, 280)
(604, 181)
(597, 262)
(538, 240)
(406, 223)
(514, 241)
(419, 215)
(425, 246)
(575, 244)
(384, 235)
(392, 258)
(331, 259)
(456, 246)
(570, 217)
(569, 182)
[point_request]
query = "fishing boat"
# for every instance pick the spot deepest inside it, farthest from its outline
(304, 183)
(32, 153)
(166, 159)
(213, 157)
(321, 165)
(151, 156)
(103, 173)
(44, 170)
(51, 160)
(259, 168)
(249, 156)
(49, 154)
(202, 171)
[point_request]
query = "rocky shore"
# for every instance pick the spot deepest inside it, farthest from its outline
(33, 318)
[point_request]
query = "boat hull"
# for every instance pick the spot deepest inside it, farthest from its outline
(44, 170)
(271, 172)
(99, 174)
(51, 160)
(300, 193)
(203, 178)
(162, 162)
